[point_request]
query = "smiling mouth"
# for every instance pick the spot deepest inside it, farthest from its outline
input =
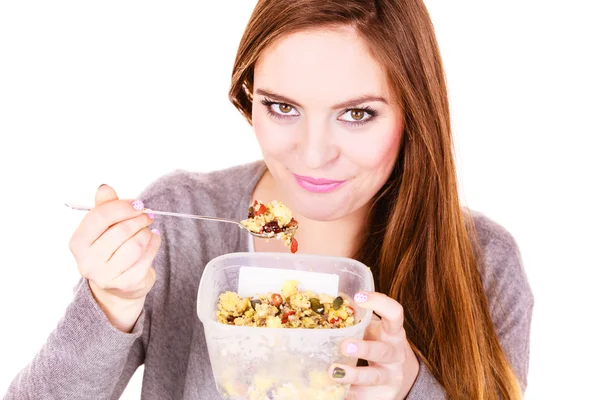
(318, 185)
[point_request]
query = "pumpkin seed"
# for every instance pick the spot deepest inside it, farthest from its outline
(337, 303)
(316, 306)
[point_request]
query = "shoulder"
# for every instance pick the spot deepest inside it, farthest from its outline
(194, 192)
(501, 265)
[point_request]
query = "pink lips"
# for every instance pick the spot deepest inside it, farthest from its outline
(317, 185)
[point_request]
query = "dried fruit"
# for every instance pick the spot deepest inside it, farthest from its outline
(272, 226)
(285, 316)
(261, 210)
(294, 245)
(337, 303)
(333, 320)
(254, 303)
(275, 299)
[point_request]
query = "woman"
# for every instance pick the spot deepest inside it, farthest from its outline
(349, 105)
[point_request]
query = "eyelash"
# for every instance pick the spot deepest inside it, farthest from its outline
(373, 113)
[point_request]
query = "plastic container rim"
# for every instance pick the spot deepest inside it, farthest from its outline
(207, 320)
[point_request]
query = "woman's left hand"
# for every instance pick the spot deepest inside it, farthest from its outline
(393, 366)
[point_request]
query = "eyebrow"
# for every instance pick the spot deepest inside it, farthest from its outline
(345, 104)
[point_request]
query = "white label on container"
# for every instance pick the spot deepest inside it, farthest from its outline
(255, 281)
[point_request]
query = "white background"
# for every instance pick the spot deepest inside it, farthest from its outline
(123, 92)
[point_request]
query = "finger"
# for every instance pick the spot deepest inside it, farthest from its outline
(373, 351)
(104, 194)
(130, 253)
(115, 236)
(391, 312)
(360, 376)
(141, 276)
(135, 282)
(100, 218)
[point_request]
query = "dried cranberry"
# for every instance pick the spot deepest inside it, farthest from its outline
(272, 226)
(333, 320)
(261, 210)
(284, 319)
(294, 245)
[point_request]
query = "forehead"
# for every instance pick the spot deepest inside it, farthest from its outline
(320, 67)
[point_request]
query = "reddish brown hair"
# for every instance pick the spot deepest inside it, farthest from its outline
(420, 244)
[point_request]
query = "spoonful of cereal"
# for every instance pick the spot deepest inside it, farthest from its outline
(273, 220)
(264, 221)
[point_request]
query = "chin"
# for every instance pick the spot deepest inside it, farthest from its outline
(317, 213)
(319, 207)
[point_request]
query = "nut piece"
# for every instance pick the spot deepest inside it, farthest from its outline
(275, 299)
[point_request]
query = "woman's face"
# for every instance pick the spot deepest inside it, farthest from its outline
(326, 122)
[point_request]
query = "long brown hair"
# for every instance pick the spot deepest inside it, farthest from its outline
(422, 248)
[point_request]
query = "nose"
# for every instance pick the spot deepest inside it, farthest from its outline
(318, 149)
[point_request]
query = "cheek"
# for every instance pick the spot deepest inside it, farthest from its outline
(273, 139)
(376, 150)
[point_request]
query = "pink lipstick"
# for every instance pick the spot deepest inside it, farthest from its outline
(317, 185)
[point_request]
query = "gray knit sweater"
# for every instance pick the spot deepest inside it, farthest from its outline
(85, 357)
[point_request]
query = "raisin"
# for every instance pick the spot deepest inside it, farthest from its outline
(272, 226)
(254, 303)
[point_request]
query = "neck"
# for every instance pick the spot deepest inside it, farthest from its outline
(335, 238)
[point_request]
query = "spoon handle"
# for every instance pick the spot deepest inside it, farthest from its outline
(171, 214)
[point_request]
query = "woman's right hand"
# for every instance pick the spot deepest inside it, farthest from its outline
(114, 249)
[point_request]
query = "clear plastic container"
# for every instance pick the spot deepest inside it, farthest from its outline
(277, 363)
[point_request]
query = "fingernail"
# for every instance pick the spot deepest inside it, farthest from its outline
(352, 348)
(360, 297)
(152, 216)
(100, 187)
(338, 373)
(138, 205)
(156, 231)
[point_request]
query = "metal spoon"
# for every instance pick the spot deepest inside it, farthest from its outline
(268, 235)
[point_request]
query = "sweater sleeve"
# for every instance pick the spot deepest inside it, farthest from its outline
(510, 301)
(85, 357)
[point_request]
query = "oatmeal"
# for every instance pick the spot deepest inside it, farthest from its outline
(288, 309)
(273, 219)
